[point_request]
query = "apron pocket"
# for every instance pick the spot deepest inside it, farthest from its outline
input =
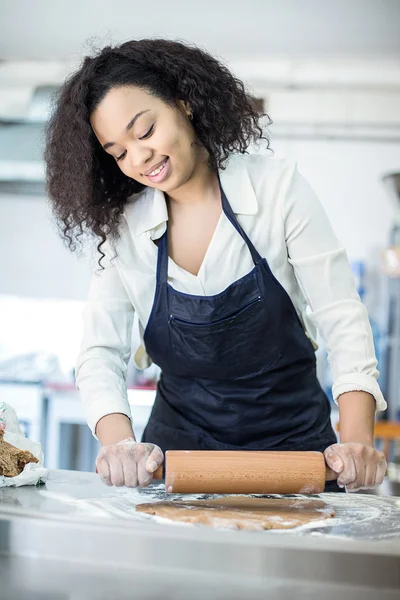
(174, 320)
(232, 346)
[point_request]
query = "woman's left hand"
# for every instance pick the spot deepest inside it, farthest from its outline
(359, 466)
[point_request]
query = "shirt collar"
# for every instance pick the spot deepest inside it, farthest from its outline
(147, 211)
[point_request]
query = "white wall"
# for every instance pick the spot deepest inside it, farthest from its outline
(34, 261)
(347, 178)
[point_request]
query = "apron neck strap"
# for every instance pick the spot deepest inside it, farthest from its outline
(162, 258)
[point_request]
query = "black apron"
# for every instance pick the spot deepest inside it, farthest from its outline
(238, 371)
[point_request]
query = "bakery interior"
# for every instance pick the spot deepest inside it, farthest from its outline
(328, 74)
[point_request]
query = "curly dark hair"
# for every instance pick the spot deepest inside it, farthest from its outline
(86, 188)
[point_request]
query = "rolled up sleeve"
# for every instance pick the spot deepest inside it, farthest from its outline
(101, 365)
(323, 272)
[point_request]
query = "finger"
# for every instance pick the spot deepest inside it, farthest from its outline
(381, 470)
(348, 474)
(144, 477)
(129, 468)
(360, 470)
(333, 460)
(155, 459)
(116, 471)
(370, 476)
(103, 470)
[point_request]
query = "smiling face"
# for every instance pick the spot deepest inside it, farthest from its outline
(151, 141)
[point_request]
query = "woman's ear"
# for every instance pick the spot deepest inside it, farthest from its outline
(185, 107)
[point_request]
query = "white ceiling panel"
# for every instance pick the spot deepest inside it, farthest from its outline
(50, 29)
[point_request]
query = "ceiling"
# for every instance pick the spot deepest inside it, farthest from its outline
(47, 29)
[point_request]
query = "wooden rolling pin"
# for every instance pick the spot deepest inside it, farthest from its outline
(244, 472)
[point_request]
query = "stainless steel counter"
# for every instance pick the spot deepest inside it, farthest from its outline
(74, 537)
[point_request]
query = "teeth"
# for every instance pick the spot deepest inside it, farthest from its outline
(158, 170)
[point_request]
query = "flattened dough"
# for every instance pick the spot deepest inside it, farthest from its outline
(242, 512)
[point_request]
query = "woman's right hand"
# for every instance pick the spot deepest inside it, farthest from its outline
(128, 463)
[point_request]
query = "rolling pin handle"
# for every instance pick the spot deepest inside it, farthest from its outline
(158, 473)
(330, 475)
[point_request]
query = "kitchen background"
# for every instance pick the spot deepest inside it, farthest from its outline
(329, 76)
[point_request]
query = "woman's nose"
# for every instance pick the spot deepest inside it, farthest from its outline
(141, 158)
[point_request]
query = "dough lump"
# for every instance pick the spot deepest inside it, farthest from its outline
(13, 460)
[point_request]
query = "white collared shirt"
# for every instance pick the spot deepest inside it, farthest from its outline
(288, 226)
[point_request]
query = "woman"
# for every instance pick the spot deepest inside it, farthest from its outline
(220, 253)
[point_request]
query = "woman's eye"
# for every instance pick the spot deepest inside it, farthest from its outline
(144, 137)
(148, 134)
